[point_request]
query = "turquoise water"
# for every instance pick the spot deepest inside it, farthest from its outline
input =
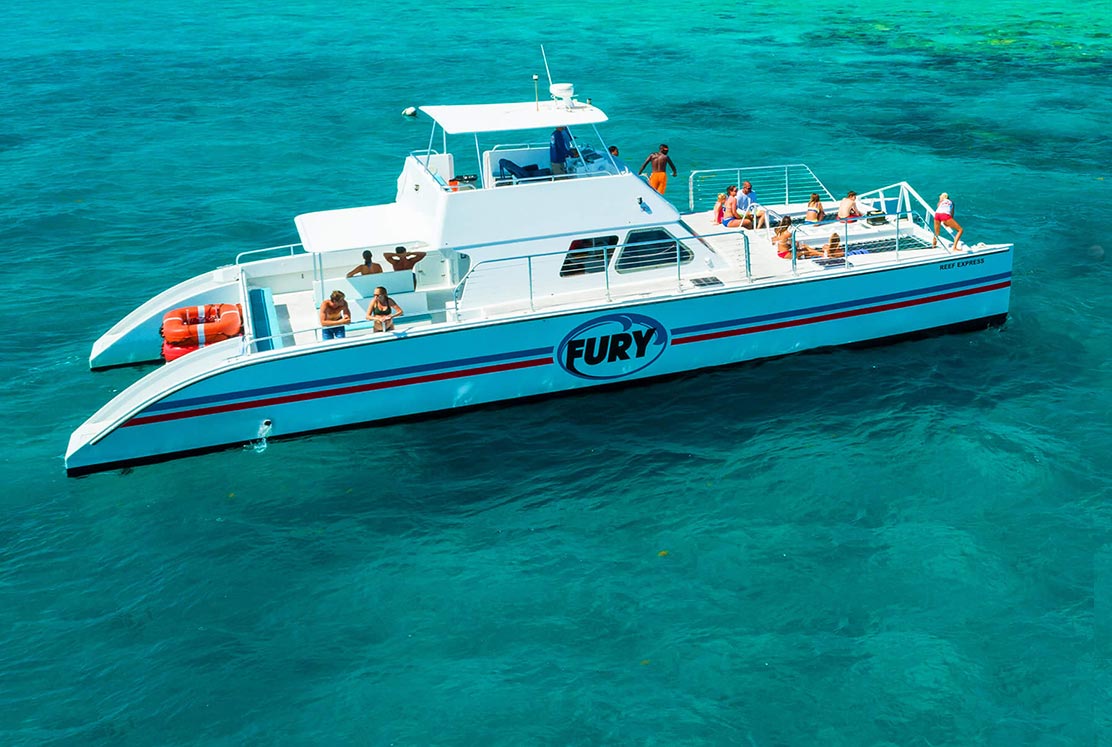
(900, 545)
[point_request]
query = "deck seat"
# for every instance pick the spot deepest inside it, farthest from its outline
(264, 318)
(363, 286)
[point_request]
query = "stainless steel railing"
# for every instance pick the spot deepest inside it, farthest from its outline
(604, 260)
(283, 250)
(594, 260)
(783, 184)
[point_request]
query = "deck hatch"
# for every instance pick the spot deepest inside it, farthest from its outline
(706, 282)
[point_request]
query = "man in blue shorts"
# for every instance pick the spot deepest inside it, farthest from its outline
(334, 314)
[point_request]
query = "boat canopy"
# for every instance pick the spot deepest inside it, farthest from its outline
(354, 228)
(528, 115)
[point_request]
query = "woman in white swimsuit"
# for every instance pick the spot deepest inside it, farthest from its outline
(944, 216)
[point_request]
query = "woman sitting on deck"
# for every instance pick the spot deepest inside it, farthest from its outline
(731, 218)
(782, 240)
(815, 213)
(718, 208)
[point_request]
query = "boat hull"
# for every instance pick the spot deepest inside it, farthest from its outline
(361, 380)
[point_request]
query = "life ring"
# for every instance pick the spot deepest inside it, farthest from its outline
(173, 352)
(202, 325)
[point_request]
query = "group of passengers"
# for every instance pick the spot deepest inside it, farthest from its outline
(399, 259)
(742, 210)
(335, 314)
(739, 209)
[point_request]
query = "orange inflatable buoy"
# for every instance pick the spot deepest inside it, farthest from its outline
(173, 352)
(191, 327)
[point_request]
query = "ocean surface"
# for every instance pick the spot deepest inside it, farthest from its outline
(904, 545)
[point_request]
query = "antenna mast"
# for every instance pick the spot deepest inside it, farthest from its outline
(546, 70)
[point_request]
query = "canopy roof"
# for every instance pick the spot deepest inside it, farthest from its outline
(359, 228)
(528, 115)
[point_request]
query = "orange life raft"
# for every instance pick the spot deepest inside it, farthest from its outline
(189, 328)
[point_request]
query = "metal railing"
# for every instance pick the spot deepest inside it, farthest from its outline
(789, 183)
(250, 343)
(603, 261)
(286, 250)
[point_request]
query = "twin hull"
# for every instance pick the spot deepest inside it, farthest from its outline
(355, 381)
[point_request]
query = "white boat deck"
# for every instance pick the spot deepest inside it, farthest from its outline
(876, 244)
(869, 245)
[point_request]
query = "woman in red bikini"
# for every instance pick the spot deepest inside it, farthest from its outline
(782, 240)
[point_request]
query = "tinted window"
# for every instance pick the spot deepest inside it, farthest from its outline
(586, 256)
(651, 248)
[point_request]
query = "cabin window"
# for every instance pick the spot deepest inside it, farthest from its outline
(652, 248)
(587, 256)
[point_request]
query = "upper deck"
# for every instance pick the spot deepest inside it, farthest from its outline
(467, 119)
(477, 193)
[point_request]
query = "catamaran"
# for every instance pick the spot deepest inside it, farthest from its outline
(534, 281)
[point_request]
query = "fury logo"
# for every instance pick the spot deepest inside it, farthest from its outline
(612, 346)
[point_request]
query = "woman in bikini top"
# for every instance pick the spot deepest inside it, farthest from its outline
(815, 213)
(382, 310)
(782, 240)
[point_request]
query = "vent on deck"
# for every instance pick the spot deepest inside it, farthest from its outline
(706, 282)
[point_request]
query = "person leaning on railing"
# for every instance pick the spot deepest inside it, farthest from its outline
(382, 310)
(334, 314)
(944, 216)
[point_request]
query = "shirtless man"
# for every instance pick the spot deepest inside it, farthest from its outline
(401, 259)
(847, 208)
(334, 314)
(369, 267)
(658, 179)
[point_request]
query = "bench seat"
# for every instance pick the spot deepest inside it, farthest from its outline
(363, 286)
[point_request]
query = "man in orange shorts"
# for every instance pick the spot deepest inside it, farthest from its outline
(658, 179)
